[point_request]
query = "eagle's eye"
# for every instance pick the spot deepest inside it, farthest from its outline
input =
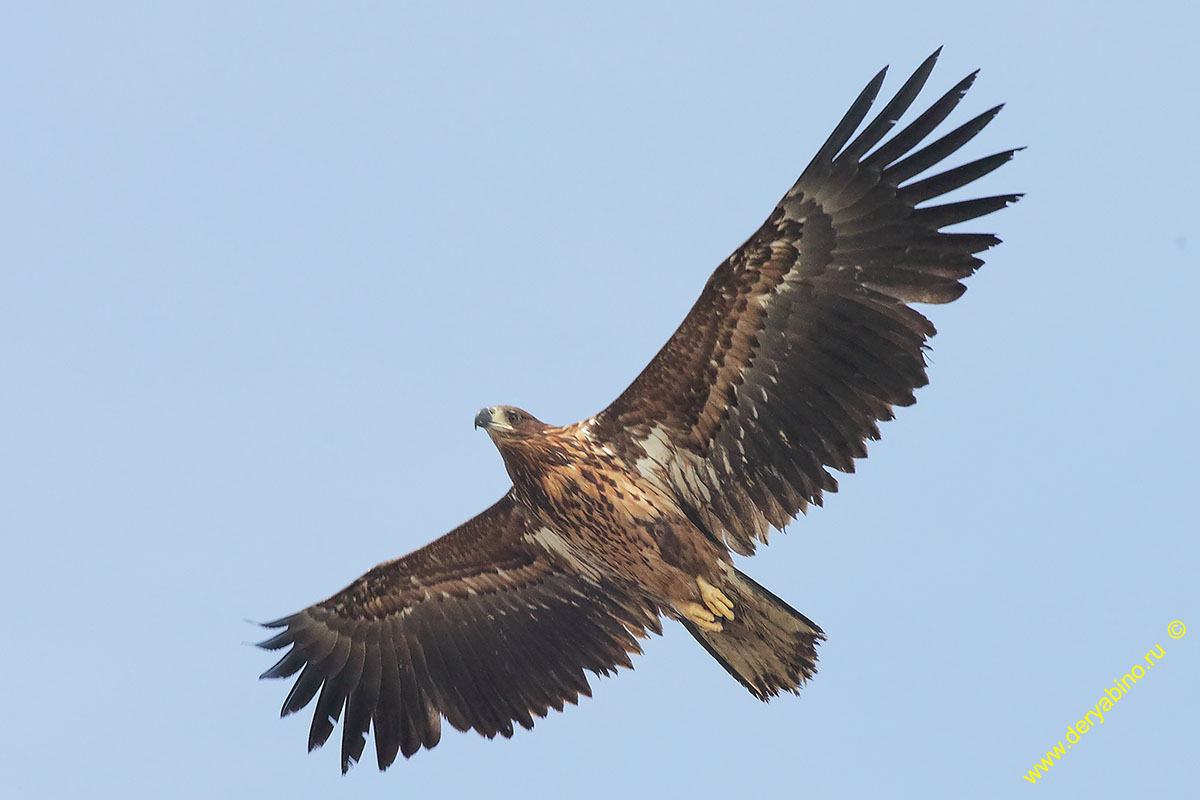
(513, 417)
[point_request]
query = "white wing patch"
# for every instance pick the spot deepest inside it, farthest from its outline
(672, 470)
(659, 453)
(553, 542)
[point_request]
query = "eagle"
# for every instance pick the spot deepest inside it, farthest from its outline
(801, 343)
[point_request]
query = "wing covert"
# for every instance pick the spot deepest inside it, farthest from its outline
(803, 339)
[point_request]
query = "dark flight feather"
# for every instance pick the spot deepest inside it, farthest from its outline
(421, 635)
(855, 250)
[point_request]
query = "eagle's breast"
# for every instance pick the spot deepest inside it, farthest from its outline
(581, 485)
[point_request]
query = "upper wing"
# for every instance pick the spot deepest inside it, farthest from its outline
(802, 339)
(479, 626)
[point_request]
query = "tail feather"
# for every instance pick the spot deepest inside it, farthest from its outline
(768, 646)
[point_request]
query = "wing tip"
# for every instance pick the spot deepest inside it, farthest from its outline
(930, 60)
(962, 87)
(276, 642)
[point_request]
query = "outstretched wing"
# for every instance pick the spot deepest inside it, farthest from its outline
(480, 626)
(803, 339)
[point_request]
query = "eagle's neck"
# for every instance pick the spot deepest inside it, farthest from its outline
(536, 463)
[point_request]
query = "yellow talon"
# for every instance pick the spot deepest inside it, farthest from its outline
(700, 616)
(715, 599)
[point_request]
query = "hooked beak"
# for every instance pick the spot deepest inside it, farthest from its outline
(492, 420)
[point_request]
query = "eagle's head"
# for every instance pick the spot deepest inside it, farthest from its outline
(508, 422)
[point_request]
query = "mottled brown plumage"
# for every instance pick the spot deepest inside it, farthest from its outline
(800, 343)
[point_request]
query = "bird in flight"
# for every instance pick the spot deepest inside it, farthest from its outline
(802, 341)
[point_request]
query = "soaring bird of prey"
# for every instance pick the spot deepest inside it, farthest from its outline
(802, 341)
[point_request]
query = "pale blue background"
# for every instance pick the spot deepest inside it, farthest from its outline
(260, 263)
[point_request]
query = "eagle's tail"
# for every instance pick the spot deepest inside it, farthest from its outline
(768, 646)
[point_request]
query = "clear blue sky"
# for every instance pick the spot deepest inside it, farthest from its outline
(260, 263)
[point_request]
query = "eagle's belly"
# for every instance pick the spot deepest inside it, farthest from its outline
(626, 524)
